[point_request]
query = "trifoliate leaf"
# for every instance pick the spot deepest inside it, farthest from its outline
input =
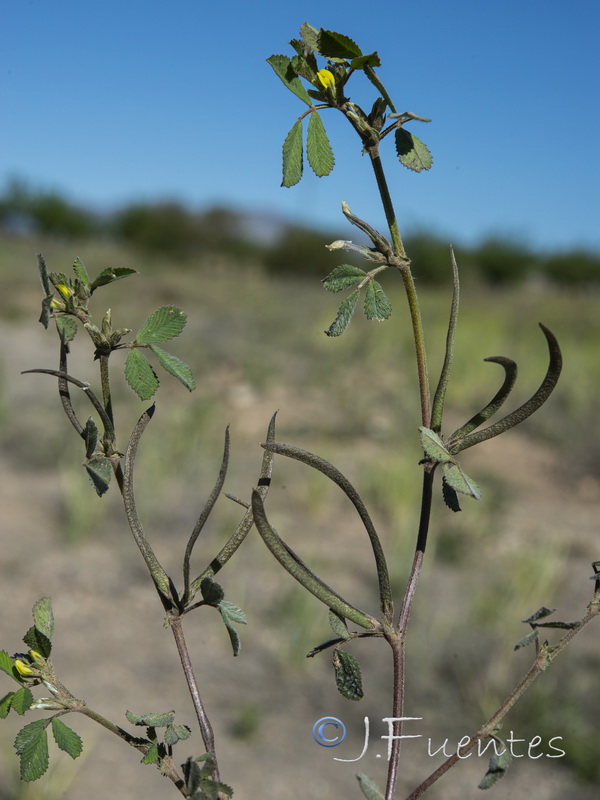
(531, 637)
(433, 445)
(100, 471)
(43, 618)
(111, 275)
(66, 738)
(457, 479)
(292, 156)
(66, 327)
(348, 677)
(166, 323)
(151, 720)
(282, 66)
(31, 744)
(497, 767)
(539, 614)
(412, 152)
(338, 625)
(22, 700)
(343, 277)
(175, 366)
(344, 315)
(377, 304)
(334, 45)
(318, 149)
(368, 787)
(38, 641)
(140, 375)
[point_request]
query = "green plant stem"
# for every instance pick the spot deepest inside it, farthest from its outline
(544, 658)
(409, 284)
(175, 622)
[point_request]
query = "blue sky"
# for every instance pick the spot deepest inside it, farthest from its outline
(112, 102)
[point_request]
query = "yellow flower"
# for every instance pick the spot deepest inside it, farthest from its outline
(24, 669)
(65, 291)
(325, 78)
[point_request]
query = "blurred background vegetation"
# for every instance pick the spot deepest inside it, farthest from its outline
(250, 286)
(168, 229)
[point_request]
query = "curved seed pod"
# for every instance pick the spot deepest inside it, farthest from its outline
(528, 408)
(298, 570)
(510, 369)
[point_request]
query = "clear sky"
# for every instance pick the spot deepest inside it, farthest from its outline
(124, 100)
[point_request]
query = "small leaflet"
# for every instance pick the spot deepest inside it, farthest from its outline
(377, 304)
(344, 315)
(164, 324)
(292, 156)
(368, 787)
(318, 148)
(343, 277)
(348, 676)
(461, 482)
(434, 446)
(412, 152)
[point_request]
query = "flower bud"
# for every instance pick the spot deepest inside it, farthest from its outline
(325, 78)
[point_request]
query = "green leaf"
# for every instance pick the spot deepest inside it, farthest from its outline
(230, 614)
(234, 612)
(22, 700)
(166, 323)
(66, 738)
(7, 664)
(318, 149)
(377, 304)
(433, 445)
(498, 765)
(100, 471)
(539, 614)
(43, 618)
(565, 626)
(292, 156)
(66, 327)
(411, 151)
(450, 496)
(81, 272)
(348, 677)
(335, 45)
(151, 720)
(302, 68)
(368, 787)
(38, 641)
(460, 482)
(344, 315)
(338, 625)
(151, 756)
(140, 375)
(5, 704)
(343, 277)
(90, 433)
(283, 69)
(531, 637)
(212, 592)
(31, 744)
(179, 369)
(174, 733)
(372, 60)
(111, 275)
(310, 36)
